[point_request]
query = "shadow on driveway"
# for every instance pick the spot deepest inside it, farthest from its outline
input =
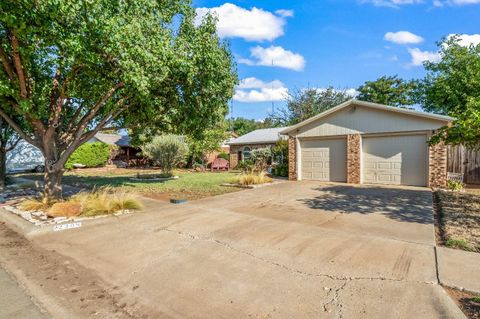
(407, 205)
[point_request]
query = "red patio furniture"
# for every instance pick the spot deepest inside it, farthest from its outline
(220, 164)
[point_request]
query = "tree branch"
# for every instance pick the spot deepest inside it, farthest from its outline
(17, 61)
(6, 64)
(18, 129)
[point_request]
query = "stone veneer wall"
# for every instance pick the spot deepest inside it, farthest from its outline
(437, 165)
(354, 155)
(292, 159)
(235, 148)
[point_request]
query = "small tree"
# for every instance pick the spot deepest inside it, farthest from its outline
(261, 157)
(167, 151)
(388, 90)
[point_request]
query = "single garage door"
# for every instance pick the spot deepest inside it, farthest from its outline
(324, 160)
(398, 160)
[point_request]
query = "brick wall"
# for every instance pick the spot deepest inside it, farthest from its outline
(354, 155)
(292, 159)
(437, 176)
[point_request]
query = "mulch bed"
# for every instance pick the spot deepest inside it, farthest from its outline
(466, 302)
(458, 218)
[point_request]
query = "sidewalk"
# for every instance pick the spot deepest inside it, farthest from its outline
(459, 269)
(14, 302)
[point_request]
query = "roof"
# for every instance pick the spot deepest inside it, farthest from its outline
(377, 106)
(267, 135)
(113, 139)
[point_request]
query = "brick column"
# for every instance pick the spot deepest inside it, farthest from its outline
(292, 159)
(354, 155)
(437, 165)
(233, 156)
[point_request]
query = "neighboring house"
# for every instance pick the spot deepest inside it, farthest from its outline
(24, 157)
(127, 152)
(241, 147)
(359, 142)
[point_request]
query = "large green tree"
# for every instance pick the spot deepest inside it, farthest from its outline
(452, 87)
(388, 90)
(242, 126)
(303, 104)
(72, 67)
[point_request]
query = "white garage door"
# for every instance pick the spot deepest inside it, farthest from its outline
(324, 160)
(398, 160)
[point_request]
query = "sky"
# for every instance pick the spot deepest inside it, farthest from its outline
(281, 46)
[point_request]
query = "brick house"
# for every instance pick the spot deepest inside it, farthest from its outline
(241, 147)
(360, 142)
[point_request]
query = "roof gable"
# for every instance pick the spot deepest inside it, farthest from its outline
(395, 112)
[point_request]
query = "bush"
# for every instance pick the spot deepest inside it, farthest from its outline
(280, 152)
(281, 170)
(167, 151)
(246, 166)
(90, 154)
(252, 179)
(459, 243)
(225, 156)
(455, 186)
(261, 157)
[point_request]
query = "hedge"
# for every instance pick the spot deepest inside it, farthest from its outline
(90, 154)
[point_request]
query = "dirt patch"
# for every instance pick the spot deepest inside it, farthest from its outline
(458, 219)
(468, 302)
(61, 286)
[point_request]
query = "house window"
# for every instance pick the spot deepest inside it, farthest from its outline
(246, 153)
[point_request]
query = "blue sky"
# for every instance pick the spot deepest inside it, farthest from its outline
(338, 43)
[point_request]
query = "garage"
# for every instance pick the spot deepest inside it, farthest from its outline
(362, 142)
(395, 160)
(324, 160)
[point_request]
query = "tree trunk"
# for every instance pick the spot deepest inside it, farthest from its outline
(3, 168)
(53, 184)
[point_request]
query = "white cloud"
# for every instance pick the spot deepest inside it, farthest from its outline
(403, 37)
(441, 3)
(275, 56)
(391, 3)
(419, 56)
(252, 25)
(252, 90)
(466, 39)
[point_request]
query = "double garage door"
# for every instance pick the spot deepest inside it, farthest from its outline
(396, 160)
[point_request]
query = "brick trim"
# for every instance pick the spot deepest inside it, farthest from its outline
(437, 165)
(292, 158)
(354, 155)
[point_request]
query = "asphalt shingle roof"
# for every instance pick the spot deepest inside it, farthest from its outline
(113, 139)
(268, 135)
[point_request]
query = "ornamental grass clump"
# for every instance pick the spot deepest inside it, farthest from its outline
(247, 179)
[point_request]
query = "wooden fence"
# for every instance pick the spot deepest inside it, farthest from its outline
(465, 161)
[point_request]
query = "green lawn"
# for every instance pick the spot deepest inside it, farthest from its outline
(190, 185)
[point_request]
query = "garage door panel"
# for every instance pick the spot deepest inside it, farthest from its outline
(324, 160)
(399, 160)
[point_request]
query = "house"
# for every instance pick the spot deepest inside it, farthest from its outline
(241, 147)
(360, 142)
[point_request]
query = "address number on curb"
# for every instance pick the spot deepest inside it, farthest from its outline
(67, 226)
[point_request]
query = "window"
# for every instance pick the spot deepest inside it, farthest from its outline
(246, 153)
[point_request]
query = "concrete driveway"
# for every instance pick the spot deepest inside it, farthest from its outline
(291, 250)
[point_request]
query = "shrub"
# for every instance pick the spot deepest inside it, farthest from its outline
(66, 209)
(455, 186)
(34, 204)
(261, 157)
(246, 166)
(106, 200)
(476, 299)
(90, 154)
(167, 151)
(252, 179)
(281, 170)
(280, 152)
(225, 156)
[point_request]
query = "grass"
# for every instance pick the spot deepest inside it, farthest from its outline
(190, 185)
(103, 201)
(476, 299)
(252, 179)
(459, 219)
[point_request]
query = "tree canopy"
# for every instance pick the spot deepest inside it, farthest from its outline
(303, 104)
(388, 90)
(71, 67)
(452, 87)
